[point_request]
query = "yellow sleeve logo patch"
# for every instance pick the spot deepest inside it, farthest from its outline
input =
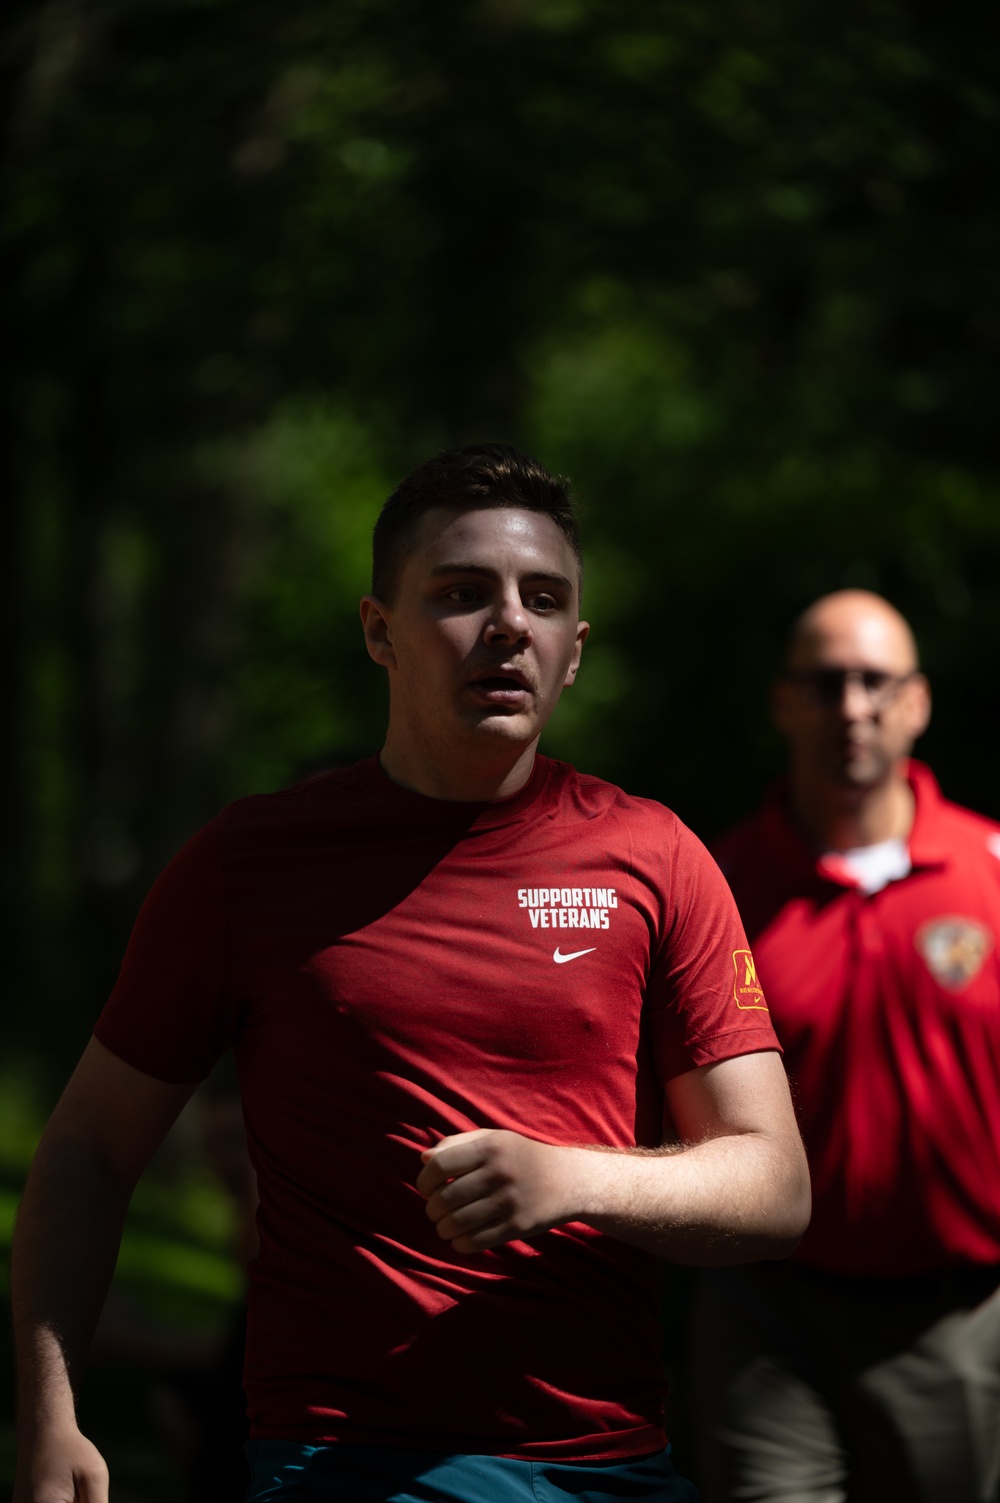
(747, 991)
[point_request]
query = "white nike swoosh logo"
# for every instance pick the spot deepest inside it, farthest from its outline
(562, 959)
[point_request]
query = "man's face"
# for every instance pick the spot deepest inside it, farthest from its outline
(483, 634)
(853, 703)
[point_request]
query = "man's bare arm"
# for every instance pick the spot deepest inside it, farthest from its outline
(108, 1122)
(735, 1188)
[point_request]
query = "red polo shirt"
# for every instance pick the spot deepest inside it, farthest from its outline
(888, 1009)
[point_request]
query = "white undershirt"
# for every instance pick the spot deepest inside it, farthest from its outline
(875, 866)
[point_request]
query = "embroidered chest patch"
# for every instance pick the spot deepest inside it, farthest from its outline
(954, 949)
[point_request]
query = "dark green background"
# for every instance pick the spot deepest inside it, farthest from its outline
(731, 267)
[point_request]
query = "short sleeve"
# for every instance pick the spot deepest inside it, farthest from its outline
(173, 1011)
(703, 1002)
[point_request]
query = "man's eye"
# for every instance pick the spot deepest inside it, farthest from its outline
(543, 603)
(462, 594)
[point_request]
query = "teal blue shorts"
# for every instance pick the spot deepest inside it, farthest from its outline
(287, 1472)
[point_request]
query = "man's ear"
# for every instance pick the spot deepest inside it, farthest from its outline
(919, 707)
(582, 633)
(376, 622)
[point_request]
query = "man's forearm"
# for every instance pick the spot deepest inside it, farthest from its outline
(108, 1122)
(65, 1245)
(735, 1188)
(726, 1200)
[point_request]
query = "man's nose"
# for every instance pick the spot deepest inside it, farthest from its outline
(509, 621)
(855, 700)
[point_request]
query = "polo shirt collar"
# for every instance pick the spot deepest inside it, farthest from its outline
(928, 840)
(927, 843)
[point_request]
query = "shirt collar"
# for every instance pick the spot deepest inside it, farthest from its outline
(927, 841)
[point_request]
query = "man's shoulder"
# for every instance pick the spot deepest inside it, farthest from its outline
(340, 792)
(589, 797)
(977, 826)
(749, 837)
(968, 833)
(953, 824)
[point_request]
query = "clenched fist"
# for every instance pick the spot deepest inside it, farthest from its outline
(62, 1467)
(491, 1186)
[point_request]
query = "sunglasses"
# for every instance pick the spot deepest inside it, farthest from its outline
(825, 686)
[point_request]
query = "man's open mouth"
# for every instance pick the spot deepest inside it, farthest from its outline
(500, 681)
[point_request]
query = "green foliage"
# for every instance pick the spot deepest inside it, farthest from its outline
(733, 270)
(312, 477)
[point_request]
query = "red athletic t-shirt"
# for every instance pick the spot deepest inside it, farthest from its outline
(390, 969)
(888, 1009)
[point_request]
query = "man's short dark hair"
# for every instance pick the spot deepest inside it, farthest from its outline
(478, 475)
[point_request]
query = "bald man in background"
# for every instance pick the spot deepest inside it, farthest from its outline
(868, 1367)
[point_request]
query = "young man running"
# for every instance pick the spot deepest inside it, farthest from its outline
(500, 1045)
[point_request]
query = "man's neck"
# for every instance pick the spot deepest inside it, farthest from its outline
(480, 781)
(843, 819)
